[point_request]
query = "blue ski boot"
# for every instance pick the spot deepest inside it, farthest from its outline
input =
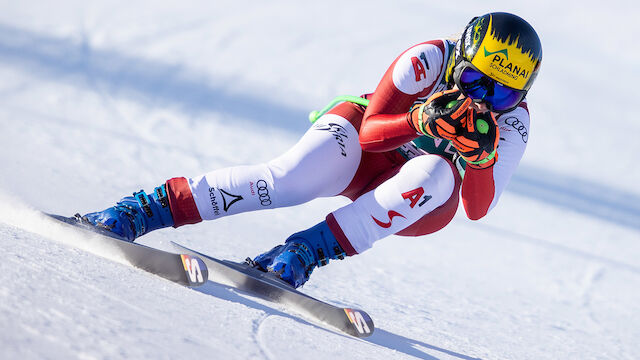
(135, 215)
(294, 261)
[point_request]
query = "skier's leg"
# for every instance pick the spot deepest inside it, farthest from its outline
(321, 164)
(424, 185)
(422, 198)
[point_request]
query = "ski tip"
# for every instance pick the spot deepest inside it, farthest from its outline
(71, 220)
(360, 323)
(195, 270)
(179, 247)
(77, 222)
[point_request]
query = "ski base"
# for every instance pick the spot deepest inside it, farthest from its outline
(184, 269)
(265, 285)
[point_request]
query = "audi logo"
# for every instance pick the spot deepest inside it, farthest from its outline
(263, 193)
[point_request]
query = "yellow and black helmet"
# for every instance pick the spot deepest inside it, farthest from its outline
(503, 47)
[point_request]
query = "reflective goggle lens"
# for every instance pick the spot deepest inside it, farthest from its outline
(480, 87)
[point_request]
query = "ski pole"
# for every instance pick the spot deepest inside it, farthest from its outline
(315, 115)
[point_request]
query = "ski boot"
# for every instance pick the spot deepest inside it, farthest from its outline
(294, 261)
(134, 216)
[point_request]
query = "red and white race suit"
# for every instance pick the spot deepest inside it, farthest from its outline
(400, 182)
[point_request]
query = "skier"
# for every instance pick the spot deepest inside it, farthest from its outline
(447, 115)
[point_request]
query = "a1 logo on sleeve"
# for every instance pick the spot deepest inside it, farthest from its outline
(420, 65)
(418, 69)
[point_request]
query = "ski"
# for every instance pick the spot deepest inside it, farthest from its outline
(184, 269)
(265, 285)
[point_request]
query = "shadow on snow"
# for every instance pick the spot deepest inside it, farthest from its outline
(578, 195)
(147, 81)
(380, 337)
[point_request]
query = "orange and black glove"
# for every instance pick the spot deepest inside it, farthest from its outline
(477, 140)
(441, 116)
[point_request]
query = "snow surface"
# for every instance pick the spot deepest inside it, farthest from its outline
(100, 99)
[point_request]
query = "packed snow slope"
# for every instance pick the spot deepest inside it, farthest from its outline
(100, 99)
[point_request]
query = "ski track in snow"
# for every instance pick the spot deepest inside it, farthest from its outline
(96, 104)
(264, 348)
(591, 279)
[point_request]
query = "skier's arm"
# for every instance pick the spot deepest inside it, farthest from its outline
(481, 188)
(412, 75)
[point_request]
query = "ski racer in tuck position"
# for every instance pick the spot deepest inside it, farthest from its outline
(448, 119)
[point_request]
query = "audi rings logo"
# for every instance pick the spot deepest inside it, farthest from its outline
(263, 193)
(519, 126)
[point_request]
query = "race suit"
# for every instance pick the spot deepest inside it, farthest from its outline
(399, 181)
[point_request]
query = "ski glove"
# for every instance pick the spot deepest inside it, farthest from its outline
(441, 116)
(477, 140)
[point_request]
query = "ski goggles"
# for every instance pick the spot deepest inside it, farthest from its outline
(481, 88)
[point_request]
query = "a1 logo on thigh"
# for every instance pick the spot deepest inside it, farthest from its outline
(416, 196)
